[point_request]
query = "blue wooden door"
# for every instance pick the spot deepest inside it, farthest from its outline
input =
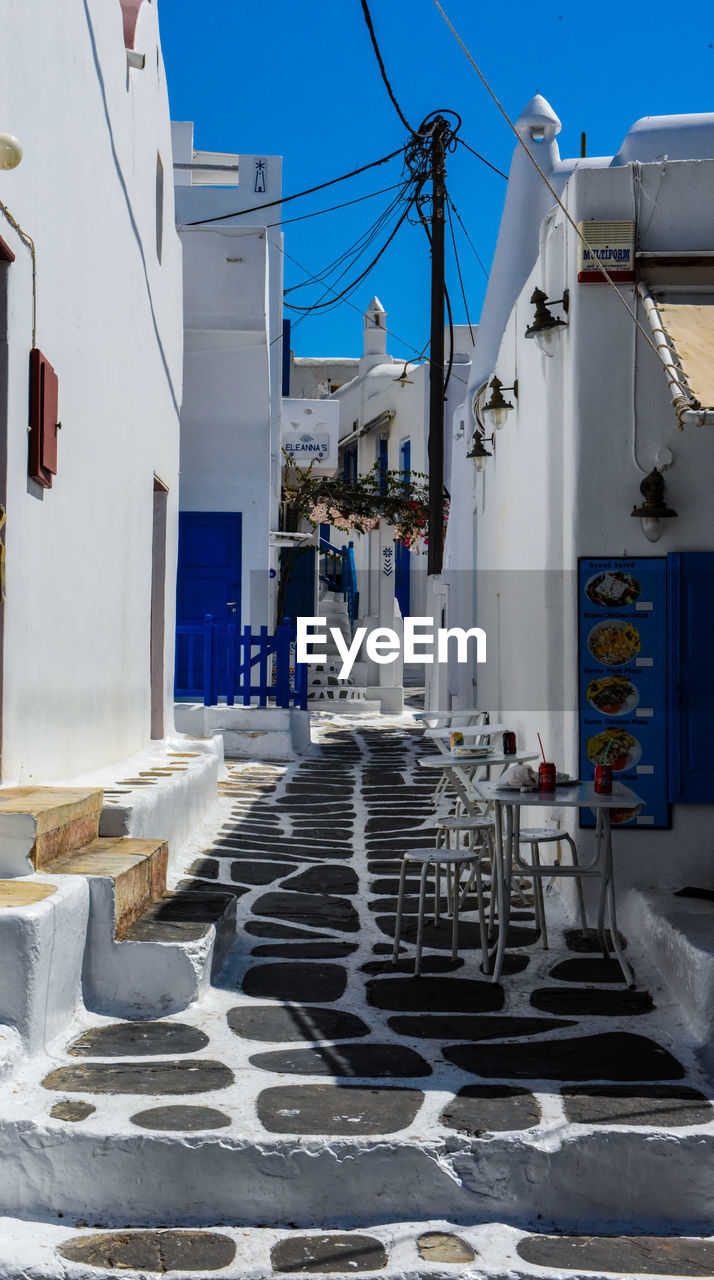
(208, 581)
(691, 647)
(403, 557)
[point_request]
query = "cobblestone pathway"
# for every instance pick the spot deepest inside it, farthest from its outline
(551, 1101)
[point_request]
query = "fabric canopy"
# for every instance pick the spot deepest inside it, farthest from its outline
(690, 330)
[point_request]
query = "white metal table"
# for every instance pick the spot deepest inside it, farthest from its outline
(460, 770)
(507, 805)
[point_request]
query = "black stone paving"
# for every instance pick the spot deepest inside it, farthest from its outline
(666, 1106)
(268, 929)
(641, 1255)
(465, 1027)
(614, 1055)
(274, 1025)
(575, 941)
(251, 872)
(306, 950)
(593, 971)
(194, 1075)
(445, 995)
(157, 1251)
(320, 909)
(588, 1002)
(302, 980)
(378, 1061)
(478, 1109)
(324, 879)
(129, 1039)
(320, 1255)
(181, 1119)
(337, 1109)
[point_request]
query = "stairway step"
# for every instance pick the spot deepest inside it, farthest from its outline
(137, 867)
(180, 916)
(40, 824)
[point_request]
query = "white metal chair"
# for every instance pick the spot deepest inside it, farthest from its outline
(536, 836)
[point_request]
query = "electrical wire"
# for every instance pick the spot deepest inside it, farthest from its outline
(385, 77)
(483, 159)
(601, 267)
(468, 237)
(269, 204)
(285, 222)
(458, 266)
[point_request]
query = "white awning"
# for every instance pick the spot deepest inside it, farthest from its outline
(684, 334)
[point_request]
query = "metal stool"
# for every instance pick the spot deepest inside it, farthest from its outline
(453, 860)
(535, 836)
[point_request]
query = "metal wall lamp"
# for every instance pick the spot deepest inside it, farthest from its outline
(654, 510)
(497, 408)
(10, 151)
(478, 450)
(546, 327)
(404, 380)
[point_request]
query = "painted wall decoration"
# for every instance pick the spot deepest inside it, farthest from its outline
(622, 605)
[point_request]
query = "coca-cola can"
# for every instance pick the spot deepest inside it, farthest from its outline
(603, 779)
(546, 776)
(509, 743)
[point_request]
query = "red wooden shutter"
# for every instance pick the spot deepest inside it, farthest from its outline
(43, 419)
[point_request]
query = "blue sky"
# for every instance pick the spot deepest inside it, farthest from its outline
(298, 78)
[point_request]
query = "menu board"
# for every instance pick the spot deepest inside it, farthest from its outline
(622, 678)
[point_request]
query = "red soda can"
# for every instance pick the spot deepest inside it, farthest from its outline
(603, 779)
(509, 743)
(546, 776)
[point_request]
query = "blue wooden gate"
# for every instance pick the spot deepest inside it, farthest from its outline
(216, 661)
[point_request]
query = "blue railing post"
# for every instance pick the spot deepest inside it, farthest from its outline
(246, 669)
(282, 663)
(207, 659)
(230, 663)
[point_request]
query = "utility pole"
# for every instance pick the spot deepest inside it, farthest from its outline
(436, 366)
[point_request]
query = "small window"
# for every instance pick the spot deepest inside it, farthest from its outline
(159, 205)
(377, 319)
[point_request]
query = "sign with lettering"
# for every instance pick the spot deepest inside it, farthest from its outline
(623, 681)
(309, 433)
(612, 244)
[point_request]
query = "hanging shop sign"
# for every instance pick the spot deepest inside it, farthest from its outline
(622, 658)
(612, 244)
(309, 433)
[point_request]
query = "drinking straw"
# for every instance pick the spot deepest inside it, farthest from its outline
(541, 747)
(612, 739)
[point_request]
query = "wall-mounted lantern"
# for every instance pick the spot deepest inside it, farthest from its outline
(654, 510)
(10, 151)
(478, 450)
(404, 380)
(546, 328)
(497, 408)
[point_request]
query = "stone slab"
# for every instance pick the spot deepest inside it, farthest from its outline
(443, 995)
(129, 1039)
(179, 916)
(322, 1255)
(306, 950)
(155, 1251)
(274, 1025)
(250, 872)
(466, 1027)
(24, 893)
(324, 879)
(197, 1075)
(478, 1109)
(319, 909)
(624, 1255)
(337, 1109)
(377, 1061)
(72, 1111)
(575, 941)
(614, 1055)
(589, 1002)
(268, 929)
(302, 981)
(668, 1106)
(593, 970)
(439, 1246)
(181, 1119)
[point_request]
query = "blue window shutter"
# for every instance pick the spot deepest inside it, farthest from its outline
(691, 677)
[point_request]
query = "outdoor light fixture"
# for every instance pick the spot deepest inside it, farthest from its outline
(654, 511)
(478, 450)
(496, 409)
(404, 380)
(10, 151)
(546, 327)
